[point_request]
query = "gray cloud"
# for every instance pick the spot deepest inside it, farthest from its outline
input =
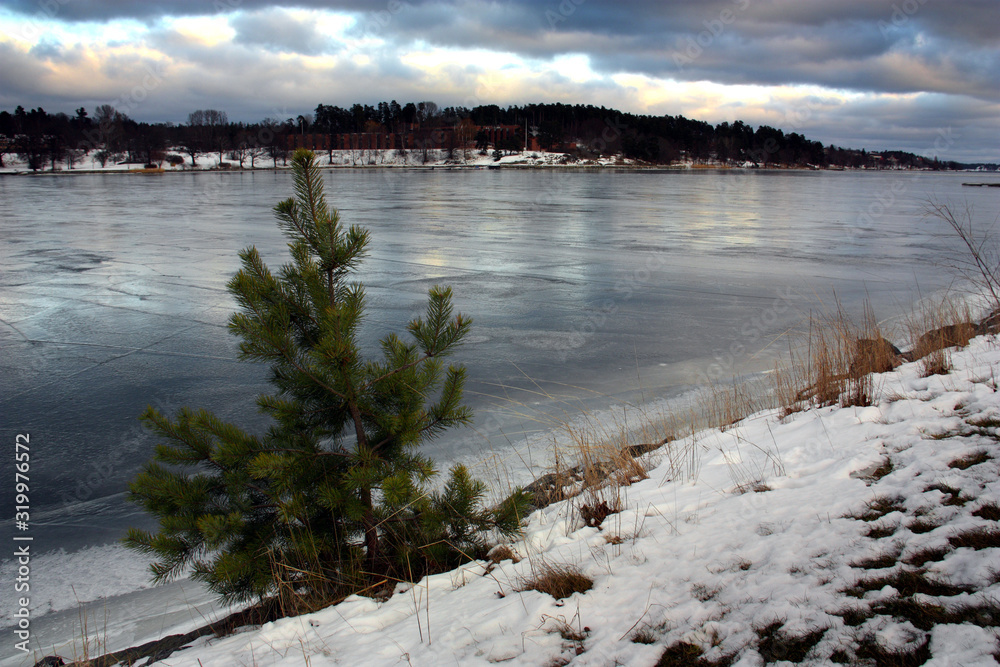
(918, 64)
(107, 10)
(277, 30)
(820, 42)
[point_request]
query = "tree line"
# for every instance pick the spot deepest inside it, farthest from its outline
(49, 140)
(42, 140)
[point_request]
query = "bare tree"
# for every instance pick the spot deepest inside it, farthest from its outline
(208, 131)
(217, 123)
(242, 148)
(465, 133)
(271, 140)
(257, 153)
(194, 139)
(980, 264)
(73, 155)
(110, 133)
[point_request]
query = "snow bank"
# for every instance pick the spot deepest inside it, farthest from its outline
(828, 531)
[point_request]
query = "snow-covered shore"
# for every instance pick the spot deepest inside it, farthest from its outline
(834, 535)
(211, 162)
(375, 158)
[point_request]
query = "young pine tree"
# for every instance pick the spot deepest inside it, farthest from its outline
(334, 492)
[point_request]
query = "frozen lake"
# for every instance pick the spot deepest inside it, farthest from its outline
(604, 287)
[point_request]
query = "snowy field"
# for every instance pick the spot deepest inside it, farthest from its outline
(837, 535)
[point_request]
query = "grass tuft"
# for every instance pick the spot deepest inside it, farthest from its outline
(984, 422)
(681, 654)
(502, 552)
(881, 562)
(685, 654)
(881, 506)
(883, 470)
(923, 525)
(878, 531)
(954, 495)
(989, 511)
(836, 363)
(776, 646)
(870, 649)
(907, 583)
(595, 513)
(703, 593)
(935, 363)
(841, 657)
(874, 473)
(854, 616)
(976, 538)
(928, 555)
(559, 581)
(644, 635)
(923, 615)
(969, 460)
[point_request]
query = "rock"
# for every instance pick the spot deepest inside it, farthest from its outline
(989, 324)
(874, 356)
(551, 488)
(50, 661)
(638, 450)
(948, 336)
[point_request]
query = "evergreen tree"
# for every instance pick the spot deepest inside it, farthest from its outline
(335, 491)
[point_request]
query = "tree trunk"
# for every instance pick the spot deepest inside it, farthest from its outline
(371, 533)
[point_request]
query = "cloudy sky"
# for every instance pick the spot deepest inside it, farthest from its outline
(918, 75)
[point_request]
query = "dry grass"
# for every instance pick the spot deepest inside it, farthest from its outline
(976, 538)
(598, 456)
(882, 561)
(775, 645)
(880, 506)
(969, 460)
(907, 583)
(953, 497)
(923, 525)
(291, 581)
(836, 362)
(838, 358)
(594, 514)
(644, 635)
(937, 362)
(502, 552)
(729, 403)
(790, 383)
(872, 652)
(927, 555)
(935, 326)
(559, 581)
(989, 511)
(686, 654)
(878, 531)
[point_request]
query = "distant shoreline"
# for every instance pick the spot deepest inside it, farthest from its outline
(475, 167)
(175, 160)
